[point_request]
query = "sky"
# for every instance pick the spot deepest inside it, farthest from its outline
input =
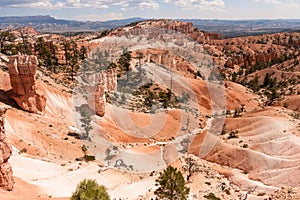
(101, 10)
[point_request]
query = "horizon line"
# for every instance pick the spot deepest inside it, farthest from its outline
(153, 18)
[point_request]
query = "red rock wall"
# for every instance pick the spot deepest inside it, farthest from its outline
(250, 59)
(6, 173)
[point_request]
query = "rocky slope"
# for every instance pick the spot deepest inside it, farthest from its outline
(6, 173)
(252, 154)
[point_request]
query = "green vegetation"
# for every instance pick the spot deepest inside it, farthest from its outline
(153, 94)
(84, 149)
(269, 87)
(295, 115)
(171, 185)
(90, 190)
(24, 47)
(233, 134)
(86, 124)
(211, 196)
(124, 62)
(46, 51)
(88, 158)
(72, 55)
(190, 167)
(237, 113)
(46, 54)
(6, 43)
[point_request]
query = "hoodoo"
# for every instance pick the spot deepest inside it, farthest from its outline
(22, 70)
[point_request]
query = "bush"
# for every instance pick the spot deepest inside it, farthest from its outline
(89, 158)
(211, 196)
(90, 190)
(233, 134)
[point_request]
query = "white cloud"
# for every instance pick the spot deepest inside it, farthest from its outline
(46, 4)
(149, 5)
(280, 4)
(273, 2)
(291, 5)
(199, 4)
(51, 4)
(105, 17)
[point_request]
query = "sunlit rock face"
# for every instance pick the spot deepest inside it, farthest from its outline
(22, 70)
(6, 173)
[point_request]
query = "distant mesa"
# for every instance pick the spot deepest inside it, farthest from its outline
(227, 28)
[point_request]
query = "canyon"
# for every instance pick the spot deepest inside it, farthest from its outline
(235, 111)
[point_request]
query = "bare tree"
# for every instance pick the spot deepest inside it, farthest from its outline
(108, 155)
(245, 196)
(190, 167)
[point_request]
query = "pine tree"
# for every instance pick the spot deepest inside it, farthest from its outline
(86, 124)
(46, 58)
(90, 190)
(74, 59)
(6, 45)
(83, 52)
(171, 185)
(24, 47)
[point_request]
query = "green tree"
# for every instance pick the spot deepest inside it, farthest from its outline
(237, 113)
(83, 53)
(74, 59)
(171, 185)
(124, 62)
(46, 55)
(24, 47)
(86, 124)
(267, 80)
(90, 190)
(140, 56)
(72, 56)
(234, 77)
(53, 51)
(66, 46)
(6, 42)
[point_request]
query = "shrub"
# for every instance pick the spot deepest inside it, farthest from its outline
(90, 190)
(89, 158)
(211, 196)
(233, 134)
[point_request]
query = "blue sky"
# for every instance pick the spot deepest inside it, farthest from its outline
(112, 9)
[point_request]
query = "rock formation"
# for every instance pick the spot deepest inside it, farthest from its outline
(22, 70)
(251, 59)
(169, 59)
(156, 26)
(3, 59)
(6, 173)
(101, 83)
